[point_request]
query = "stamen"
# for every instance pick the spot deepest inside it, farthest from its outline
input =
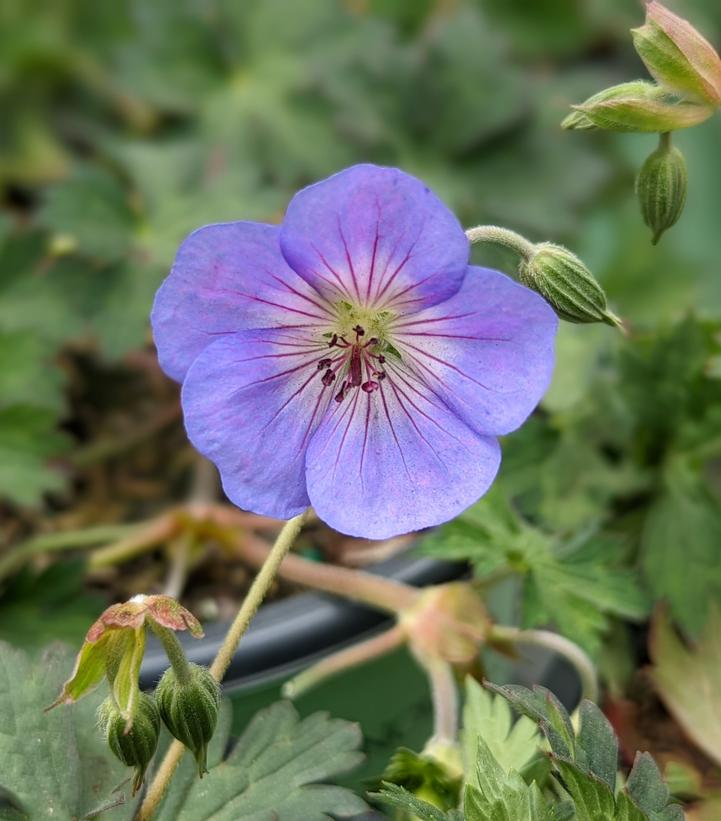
(324, 363)
(328, 378)
(359, 330)
(340, 396)
(370, 386)
(333, 341)
(381, 358)
(380, 375)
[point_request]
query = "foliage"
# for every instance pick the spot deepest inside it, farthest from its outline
(687, 679)
(582, 762)
(572, 583)
(56, 764)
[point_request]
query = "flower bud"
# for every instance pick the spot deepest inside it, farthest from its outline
(134, 745)
(566, 283)
(678, 57)
(190, 710)
(661, 187)
(636, 106)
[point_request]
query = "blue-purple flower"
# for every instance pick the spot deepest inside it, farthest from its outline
(350, 358)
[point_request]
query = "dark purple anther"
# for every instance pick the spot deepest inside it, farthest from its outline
(328, 378)
(370, 386)
(333, 341)
(340, 396)
(359, 330)
(324, 363)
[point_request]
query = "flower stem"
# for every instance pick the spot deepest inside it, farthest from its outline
(501, 236)
(173, 650)
(248, 608)
(552, 641)
(444, 695)
(345, 659)
(385, 594)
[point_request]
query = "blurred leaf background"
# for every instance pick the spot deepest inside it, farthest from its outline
(126, 125)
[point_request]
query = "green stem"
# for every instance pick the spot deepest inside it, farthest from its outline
(502, 236)
(248, 608)
(558, 644)
(173, 650)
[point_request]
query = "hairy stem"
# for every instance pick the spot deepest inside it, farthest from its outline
(390, 596)
(173, 650)
(501, 236)
(552, 641)
(248, 608)
(344, 660)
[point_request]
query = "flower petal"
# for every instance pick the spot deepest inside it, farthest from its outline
(487, 352)
(227, 278)
(252, 400)
(396, 460)
(375, 236)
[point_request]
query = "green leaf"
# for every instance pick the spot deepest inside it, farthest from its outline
(561, 578)
(423, 774)
(54, 764)
(28, 440)
(27, 374)
(688, 679)
(275, 769)
(395, 796)
(592, 798)
(53, 604)
(489, 717)
(647, 791)
(498, 795)
(92, 212)
(543, 707)
(679, 544)
(597, 746)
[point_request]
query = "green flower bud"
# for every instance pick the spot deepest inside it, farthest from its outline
(566, 283)
(678, 56)
(638, 106)
(190, 709)
(661, 187)
(134, 745)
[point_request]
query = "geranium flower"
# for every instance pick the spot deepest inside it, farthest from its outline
(350, 358)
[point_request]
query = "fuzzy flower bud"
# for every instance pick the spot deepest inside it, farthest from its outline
(566, 283)
(638, 106)
(661, 187)
(678, 57)
(134, 745)
(114, 648)
(190, 709)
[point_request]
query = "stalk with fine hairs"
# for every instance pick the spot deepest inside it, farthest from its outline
(248, 608)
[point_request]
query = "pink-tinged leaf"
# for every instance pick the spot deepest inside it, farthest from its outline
(171, 614)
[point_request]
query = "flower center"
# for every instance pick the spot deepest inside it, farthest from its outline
(356, 362)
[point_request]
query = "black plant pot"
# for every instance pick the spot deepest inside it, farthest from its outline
(388, 697)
